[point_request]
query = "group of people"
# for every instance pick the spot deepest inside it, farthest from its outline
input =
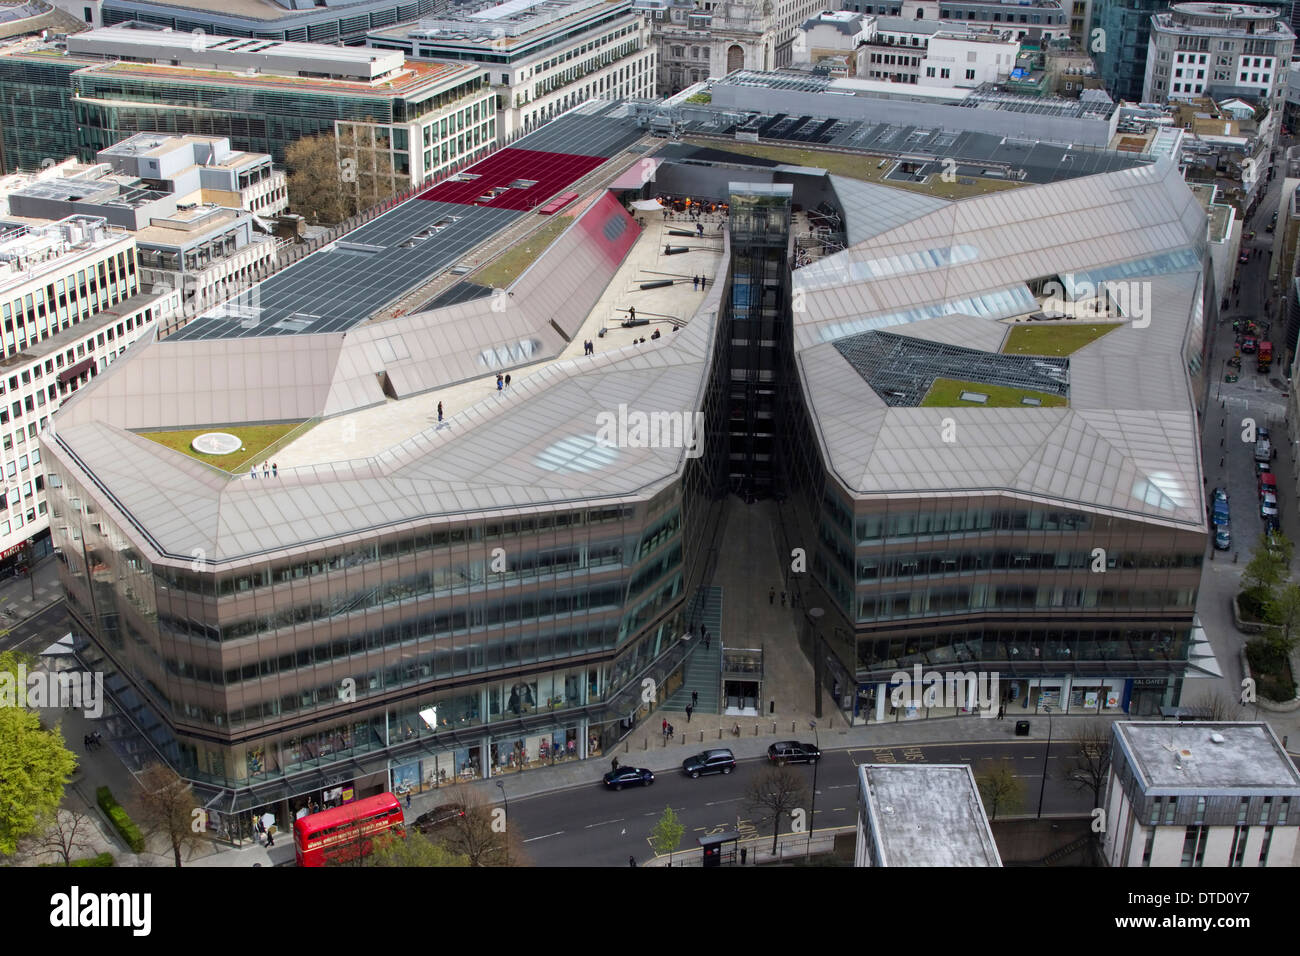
(698, 282)
(92, 741)
(588, 347)
(269, 470)
(502, 382)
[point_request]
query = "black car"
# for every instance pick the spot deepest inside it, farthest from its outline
(791, 751)
(711, 761)
(439, 817)
(628, 777)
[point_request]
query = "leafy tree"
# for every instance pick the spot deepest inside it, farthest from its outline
(1268, 568)
(315, 179)
(777, 790)
(1000, 788)
(667, 834)
(1092, 760)
(168, 808)
(69, 834)
(1284, 611)
(415, 849)
(34, 763)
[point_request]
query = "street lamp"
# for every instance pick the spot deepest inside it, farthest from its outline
(502, 787)
(1046, 756)
(812, 816)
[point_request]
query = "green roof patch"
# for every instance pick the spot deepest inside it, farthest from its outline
(259, 443)
(952, 393)
(1054, 339)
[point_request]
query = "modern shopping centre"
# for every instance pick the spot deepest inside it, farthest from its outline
(445, 571)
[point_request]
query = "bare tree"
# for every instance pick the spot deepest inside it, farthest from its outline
(482, 834)
(999, 787)
(70, 834)
(777, 791)
(168, 808)
(1091, 768)
(1219, 706)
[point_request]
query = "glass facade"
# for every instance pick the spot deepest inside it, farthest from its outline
(405, 651)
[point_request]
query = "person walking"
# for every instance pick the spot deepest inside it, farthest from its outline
(253, 471)
(695, 697)
(408, 798)
(707, 639)
(507, 381)
(270, 838)
(266, 469)
(664, 727)
(631, 313)
(689, 709)
(500, 382)
(440, 413)
(1002, 711)
(613, 764)
(275, 470)
(695, 282)
(631, 860)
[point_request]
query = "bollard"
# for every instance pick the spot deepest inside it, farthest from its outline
(756, 730)
(701, 736)
(792, 726)
(719, 733)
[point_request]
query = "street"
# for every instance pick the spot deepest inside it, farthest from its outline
(38, 632)
(590, 826)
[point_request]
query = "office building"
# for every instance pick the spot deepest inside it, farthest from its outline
(922, 815)
(541, 57)
(1205, 794)
(1221, 51)
(74, 98)
(235, 606)
(72, 303)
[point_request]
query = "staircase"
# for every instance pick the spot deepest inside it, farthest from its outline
(703, 667)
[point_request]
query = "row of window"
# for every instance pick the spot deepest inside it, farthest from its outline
(913, 522)
(926, 602)
(900, 647)
(73, 298)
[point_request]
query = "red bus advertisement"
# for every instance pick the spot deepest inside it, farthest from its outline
(345, 833)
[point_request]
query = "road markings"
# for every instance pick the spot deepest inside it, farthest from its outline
(718, 803)
(602, 823)
(544, 836)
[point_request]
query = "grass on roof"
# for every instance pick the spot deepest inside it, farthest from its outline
(258, 439)
(1054, 339)
(510, 265)
(862, 166)
(946, 393)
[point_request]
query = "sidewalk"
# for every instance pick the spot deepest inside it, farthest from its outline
(22, 597)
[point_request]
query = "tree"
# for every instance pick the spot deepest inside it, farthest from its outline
(777, 790)
(1284, 611)
(999, 788)
(168, 808)
(1092, 759)
(315, 179)
(667, 834)
(414, 849)
(1220, 706)
(482, 835)
(1269, 567)
(69, 834)
(34, 763)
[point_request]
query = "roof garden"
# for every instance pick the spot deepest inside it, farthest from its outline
(259, 442)
(1062, 339)
(907, 372)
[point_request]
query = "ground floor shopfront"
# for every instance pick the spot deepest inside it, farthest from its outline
(1065, 694)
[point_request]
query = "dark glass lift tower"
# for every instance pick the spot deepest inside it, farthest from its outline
(758, 322)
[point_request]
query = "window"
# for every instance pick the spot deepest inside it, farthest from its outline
(1150, 845)
(1237, 853)
(970, 74)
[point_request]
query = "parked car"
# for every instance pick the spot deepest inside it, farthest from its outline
(791, 751)
(1249, 346)
(439, 817)
(1220, 495)
(1244, 257)
(711, 761)
(1222, 538)
(1270, 524)
(1261, 432)
(629, 777)
(1219, 515)
(1267, 484)
(1263, 467)
(1268, 505)
(1263, 450)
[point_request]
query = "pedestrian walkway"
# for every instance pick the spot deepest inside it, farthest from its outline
(703, 663)
(23, 596)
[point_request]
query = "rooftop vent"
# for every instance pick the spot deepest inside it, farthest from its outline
(1217, 737)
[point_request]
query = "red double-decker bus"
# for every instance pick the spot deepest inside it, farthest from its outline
(345, 833)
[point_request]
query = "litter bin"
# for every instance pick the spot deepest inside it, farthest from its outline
(1022, 728)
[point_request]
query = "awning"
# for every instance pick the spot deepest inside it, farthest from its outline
(638, 174)
(73, 371)
(647, 205)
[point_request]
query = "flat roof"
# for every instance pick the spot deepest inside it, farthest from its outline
(347, 281)
(1173, 757)
(926, 815)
